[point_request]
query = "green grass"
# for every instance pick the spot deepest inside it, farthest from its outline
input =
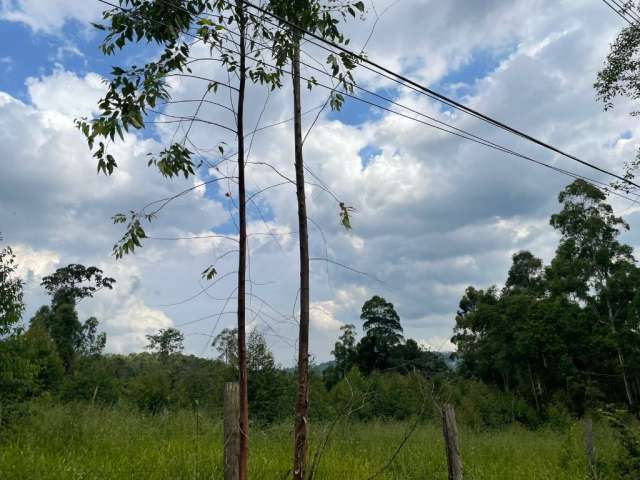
(70, 442)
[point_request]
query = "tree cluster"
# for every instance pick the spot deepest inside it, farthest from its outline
(567, 332)
(382, 348)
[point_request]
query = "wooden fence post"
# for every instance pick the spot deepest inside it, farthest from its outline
(231, 431)
(450, 432)
(591, 451)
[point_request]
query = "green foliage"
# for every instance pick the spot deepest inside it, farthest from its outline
(166, 342)
(555, 335)
(344, 353)
(11, 292)
(627, 465)
(322, 20)
(382, 348)
(68, 284)
(91, 342)
(18, 374)
(115, 443)
(29, 366)
(43, 355)
(619, 78)
(173, 161)
(383, 333)
(134, 233)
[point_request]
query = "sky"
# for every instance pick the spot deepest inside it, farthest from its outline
(433, 213)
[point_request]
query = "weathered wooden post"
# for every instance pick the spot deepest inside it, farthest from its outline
(450, 432)
(591, 451)
(231, 431)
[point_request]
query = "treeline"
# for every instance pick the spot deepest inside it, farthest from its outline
(556, 340)
(567, 333)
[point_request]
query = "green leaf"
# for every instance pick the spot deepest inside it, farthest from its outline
(209, 273)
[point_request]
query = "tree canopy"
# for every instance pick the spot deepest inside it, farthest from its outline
(570, 329)
(11, 292)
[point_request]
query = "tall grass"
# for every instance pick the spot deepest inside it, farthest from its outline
(81, 442)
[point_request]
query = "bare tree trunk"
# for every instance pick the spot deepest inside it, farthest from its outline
(533, 388)
(302, 404)
(242, 256)
(231, 431)
(627, 387)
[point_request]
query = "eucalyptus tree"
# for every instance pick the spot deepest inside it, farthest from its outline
(593, 266)
(133, 93)
(294, 19)
(620, 77)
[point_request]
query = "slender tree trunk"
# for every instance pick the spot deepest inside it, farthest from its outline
(533, 388)
(627, 387)
(302, 404)
(242, 257)
(231, 431)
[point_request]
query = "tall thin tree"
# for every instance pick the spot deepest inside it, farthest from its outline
(133, 93)
(295, 17)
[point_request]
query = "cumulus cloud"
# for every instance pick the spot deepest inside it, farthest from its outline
(433, 213)
(34, 264)
(49, 16)
(66, 93)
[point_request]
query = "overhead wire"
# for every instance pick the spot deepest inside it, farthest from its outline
(441, 97)
(623, 12)
(457, 131)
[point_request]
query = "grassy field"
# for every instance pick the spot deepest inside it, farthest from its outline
(80, 442)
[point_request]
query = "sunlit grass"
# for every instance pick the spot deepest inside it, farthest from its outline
(82, 442)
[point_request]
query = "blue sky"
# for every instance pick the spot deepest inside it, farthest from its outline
(433, 214)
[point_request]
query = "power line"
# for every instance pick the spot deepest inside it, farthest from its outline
(439, 96)
(618, 12)
(622, 11)
(457, 131)
(627, 9)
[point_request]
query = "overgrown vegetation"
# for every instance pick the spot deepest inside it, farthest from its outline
(98, 443)
(565, 334)
(555, 343)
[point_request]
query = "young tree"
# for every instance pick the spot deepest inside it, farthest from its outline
(167, 341)
(295, 18)
(75, 282)
(227, 30)
(259, 356)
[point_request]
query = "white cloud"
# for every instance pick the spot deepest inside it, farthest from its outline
(34, 264)
(66, 93)
(49, 16)
(437, 344)
(434, 213)
(322, 316)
